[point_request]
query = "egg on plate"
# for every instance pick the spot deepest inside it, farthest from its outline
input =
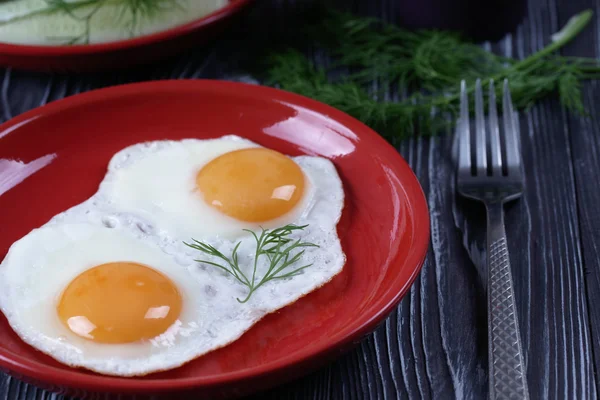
(203, 188)
(111, 285)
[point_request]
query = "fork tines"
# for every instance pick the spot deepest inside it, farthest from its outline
(489, 150)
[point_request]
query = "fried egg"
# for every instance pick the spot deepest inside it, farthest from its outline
(92, 296)
(206, 188)
(110, 286)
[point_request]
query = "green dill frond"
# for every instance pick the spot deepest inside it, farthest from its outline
(428, 65)
(282, 252)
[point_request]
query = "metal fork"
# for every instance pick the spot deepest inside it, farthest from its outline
(492, 174)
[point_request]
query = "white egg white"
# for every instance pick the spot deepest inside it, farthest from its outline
(108, 227)
(39, 267)
(157, 181)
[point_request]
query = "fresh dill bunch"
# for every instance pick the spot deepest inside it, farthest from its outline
(427, 66)
(282, 253)
(294, 72)
(432, 59)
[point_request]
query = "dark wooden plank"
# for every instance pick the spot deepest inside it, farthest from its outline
(585, 147)
(586, 155)
(434, 346)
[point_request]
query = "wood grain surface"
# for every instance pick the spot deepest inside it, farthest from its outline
(434, 346)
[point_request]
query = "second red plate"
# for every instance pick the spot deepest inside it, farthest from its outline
(122, 53)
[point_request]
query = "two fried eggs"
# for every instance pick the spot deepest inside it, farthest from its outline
(109, 285)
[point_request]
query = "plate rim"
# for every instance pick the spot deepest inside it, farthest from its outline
(76, 378)
(230, 9)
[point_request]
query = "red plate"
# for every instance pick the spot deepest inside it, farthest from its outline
(119, 54)
(384, 226)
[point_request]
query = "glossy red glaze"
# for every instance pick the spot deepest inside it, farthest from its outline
(384, 227)
(119, 54)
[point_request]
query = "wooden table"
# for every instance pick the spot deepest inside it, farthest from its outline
(434, 346)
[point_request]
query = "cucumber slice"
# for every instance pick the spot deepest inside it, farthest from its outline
(95, 21)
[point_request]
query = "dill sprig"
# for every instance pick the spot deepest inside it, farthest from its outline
(370, 61)
(282, 253)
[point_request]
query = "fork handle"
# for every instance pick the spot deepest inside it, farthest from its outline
(507, 378)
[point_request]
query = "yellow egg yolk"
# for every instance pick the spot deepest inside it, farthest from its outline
(252, 185)
(119, 302)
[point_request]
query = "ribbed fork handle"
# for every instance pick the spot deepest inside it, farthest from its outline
(507, 378)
